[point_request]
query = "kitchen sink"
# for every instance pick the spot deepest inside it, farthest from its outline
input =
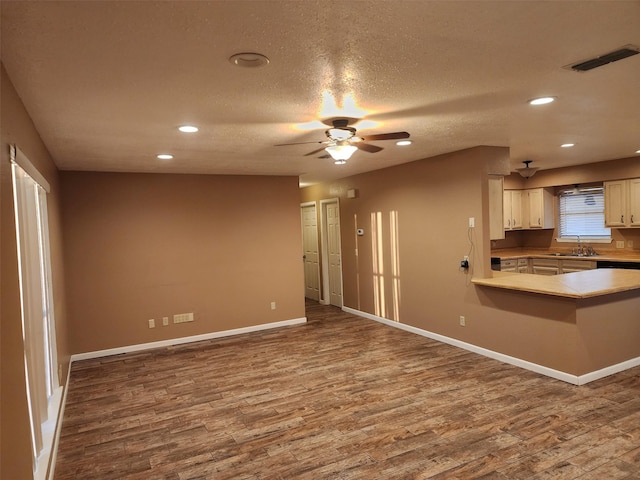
(557, 254)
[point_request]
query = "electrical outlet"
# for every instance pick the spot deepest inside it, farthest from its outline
(273, 305)
(619, 243)
(183, 317)
(165, 321)
(629, 243)
(152, 323)
(463, 322)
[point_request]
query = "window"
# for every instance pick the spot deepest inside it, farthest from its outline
(582, 214)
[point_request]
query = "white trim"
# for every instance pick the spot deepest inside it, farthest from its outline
(534, 367)
(16, 156)
(181, 340)
(56, 438)
(605, 372)
(50, 433)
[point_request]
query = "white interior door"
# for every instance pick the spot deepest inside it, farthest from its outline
(310, 254)
(334, 254)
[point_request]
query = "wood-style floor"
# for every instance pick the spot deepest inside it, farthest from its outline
(340, 397)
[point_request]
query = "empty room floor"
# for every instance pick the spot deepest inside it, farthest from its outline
(340, 397)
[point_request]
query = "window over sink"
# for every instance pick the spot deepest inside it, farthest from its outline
(581, 214)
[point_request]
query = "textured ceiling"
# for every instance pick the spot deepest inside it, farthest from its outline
(108, 82)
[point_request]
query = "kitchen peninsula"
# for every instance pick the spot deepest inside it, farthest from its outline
(597, 310)
(585, 284)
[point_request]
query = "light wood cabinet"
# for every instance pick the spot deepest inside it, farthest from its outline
(568, 266)
(634, 202)
(528, 209)
(552, 266)
(512, 200)
(615, 203)
(545, 266)
(540, 208)
(509, 265)
(622, 203)
(523, 265)
(520, 265)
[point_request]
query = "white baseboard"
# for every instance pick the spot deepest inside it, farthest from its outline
(518, 362)
(605, 372)
(182, 340)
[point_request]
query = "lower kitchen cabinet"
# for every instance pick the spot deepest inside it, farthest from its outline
(569, 266)
(520, 265)
(545, 266)
(552, 266)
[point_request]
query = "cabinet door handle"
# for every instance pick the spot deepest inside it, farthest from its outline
(632, 218)
(539, 223)
(621, 218)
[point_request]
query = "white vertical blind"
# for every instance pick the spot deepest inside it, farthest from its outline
(35, 295)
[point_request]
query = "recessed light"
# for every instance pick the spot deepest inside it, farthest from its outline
(403, 143)
(568, 145)
(188, 128)
(164, 156)
(249, 60)
(541, 100)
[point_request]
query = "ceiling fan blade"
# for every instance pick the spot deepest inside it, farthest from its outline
(315, 151)
(296, 143)
(387, 136)
(367, 147)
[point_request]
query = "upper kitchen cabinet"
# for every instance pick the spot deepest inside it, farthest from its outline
(513, 210)
(540, 211)
(615, 203)
(622, 203)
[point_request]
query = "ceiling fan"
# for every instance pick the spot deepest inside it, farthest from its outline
(342, 140)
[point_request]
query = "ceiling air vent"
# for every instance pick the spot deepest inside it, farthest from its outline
(624, 52)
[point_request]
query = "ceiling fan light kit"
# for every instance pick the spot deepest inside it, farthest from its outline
(341, 152)
(526, 171)
(342, 141)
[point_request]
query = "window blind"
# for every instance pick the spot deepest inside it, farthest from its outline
(582, 213)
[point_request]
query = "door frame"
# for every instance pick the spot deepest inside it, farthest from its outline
(325, 297)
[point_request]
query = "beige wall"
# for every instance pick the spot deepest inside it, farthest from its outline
(433, 199)
(17, 128)
(142, 246)
(421, 281)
